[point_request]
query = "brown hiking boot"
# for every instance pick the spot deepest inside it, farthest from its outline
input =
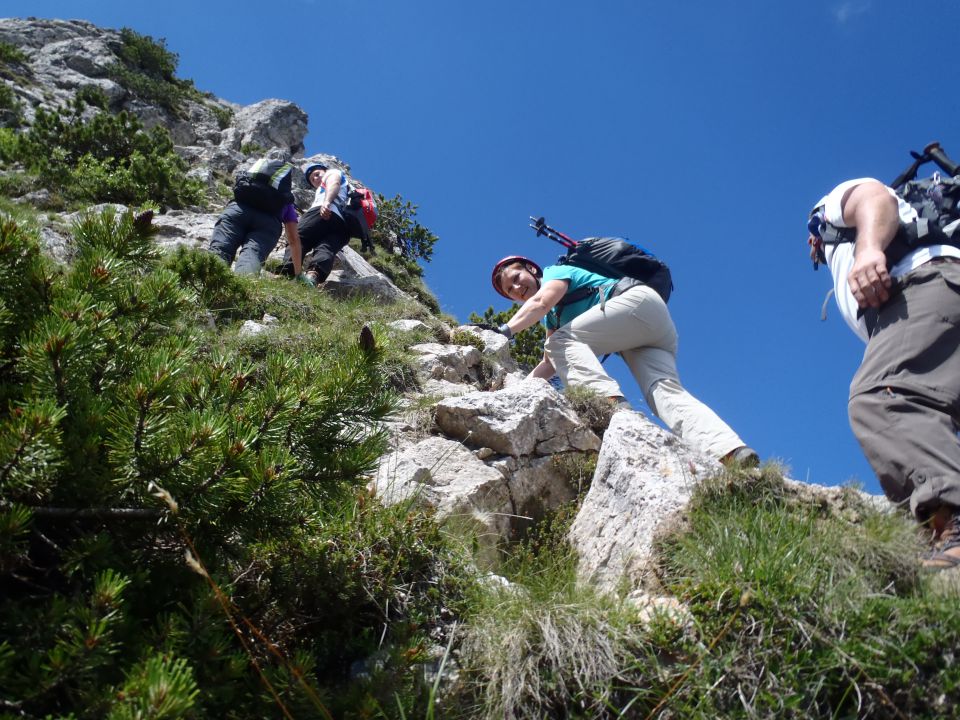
(744, 456)
(946, 534)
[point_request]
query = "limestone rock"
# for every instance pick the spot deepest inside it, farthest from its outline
(496, 347)
(445, 388)
(352, 275)
(443, 474)
(528, 418)
(251, 328)
(493, 502)
(408, 325)
(177, 227)
(643, 482)
(453, 363)
(271, 124)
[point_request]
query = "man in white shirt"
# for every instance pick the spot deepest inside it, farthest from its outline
(905, 398)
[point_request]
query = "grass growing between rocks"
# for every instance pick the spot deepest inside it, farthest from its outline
(798, 608)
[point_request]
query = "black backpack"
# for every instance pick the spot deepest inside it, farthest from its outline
(266, 186)
(617, 258)
(936, 200)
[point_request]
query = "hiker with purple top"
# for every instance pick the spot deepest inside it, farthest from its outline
(251, 223)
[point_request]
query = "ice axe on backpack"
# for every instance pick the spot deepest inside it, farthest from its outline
(540, 225)
(933, 152)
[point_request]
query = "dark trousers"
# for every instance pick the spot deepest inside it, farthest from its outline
(321, 240)
(905, 398)
(253, 231)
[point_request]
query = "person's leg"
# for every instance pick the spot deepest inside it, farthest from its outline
(692, 420)
(637, 324)
(261, 239)
(905, 397)
(229, 232)
(331, 237)
(573, 348)
(310, 229)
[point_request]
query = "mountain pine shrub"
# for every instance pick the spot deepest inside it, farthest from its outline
(397, 226)
(106, 158)
(147, 68)
(184, 530)
(11, 55)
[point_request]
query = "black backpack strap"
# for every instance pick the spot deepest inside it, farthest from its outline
(833, 235)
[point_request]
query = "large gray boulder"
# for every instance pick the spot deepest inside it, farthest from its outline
(352, 275)
(270, 124)
(528, 418)
(643, 482)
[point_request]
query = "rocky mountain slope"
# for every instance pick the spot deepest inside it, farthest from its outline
(672, 585)
(490, 452)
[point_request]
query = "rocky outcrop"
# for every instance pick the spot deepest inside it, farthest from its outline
(527, 419)
(62, 56)
(214, 135)
(500, 479)
(485, 447)
(352, 275)
(269, 124)
(642, 484)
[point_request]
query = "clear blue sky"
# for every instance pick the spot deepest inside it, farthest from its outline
(701, 130)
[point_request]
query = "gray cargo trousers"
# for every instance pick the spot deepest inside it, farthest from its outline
(253, 231)
(905, 398)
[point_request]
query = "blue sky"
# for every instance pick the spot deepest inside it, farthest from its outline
(702, 130)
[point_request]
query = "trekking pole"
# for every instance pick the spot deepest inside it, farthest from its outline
(540, 225)
(935, 152)
(565, 237)
(911, 172)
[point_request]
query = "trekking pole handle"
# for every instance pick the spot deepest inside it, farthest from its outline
(540, 225)
(936, 153)
(547, 233)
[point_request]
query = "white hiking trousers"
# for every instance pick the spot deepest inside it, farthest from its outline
(637, 325)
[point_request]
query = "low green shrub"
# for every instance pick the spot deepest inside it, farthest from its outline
(397, 227)
(184, 529)
(218, 289)
(94, 96)
(252, 148)
(224, 115)
(462, 337)
(148, 70)
(11, 111)
(108, 158)
(11, 54)
(9, 145)
(545, 645)
(803, 610)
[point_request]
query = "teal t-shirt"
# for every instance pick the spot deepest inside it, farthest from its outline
(577, 278)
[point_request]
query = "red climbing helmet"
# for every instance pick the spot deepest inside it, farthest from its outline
(532, 267)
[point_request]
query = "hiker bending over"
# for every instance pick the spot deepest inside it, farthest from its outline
(903, 300)
(634, 323)
(323, 231)
(262, 205)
